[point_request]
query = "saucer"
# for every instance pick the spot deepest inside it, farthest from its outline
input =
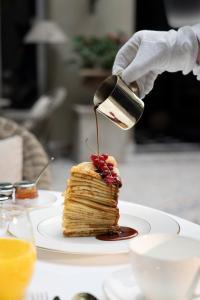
(44, 200)
(121, 285)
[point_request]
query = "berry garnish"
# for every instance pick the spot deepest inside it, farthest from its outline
(113, 174)
(105, 156)
(93, 157)
(110, 166)
(105, 169)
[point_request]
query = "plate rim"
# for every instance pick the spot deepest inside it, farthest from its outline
(126, 204)
(84, 253)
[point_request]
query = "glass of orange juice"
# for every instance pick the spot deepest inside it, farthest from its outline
(17, 251)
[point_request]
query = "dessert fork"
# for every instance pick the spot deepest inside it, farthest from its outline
(40, 296)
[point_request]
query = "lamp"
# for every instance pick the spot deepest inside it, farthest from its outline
(41, 33)
(45, 31)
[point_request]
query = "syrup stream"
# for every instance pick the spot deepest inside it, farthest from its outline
(97, 128)
(124, 232)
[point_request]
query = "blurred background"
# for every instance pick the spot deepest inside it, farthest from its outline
(54, 54)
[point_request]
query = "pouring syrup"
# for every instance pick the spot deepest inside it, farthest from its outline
(124, 232)
(97, 128)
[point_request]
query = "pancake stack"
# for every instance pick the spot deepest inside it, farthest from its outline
(90, 204)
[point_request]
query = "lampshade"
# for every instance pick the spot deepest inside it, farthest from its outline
(45, 31)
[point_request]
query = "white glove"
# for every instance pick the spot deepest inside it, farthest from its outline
(149, 53)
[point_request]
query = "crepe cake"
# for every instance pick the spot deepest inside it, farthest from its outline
(91, 197)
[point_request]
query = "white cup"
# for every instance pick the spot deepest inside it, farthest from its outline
(166, 267)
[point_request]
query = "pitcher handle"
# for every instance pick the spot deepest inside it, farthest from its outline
(133, 86)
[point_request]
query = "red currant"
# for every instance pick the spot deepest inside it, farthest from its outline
(119, 183)
(101, 164)
(109, 180)
(109, 165)
(106, 172)
(105, 156)
(105, 169)
(101, 157)
(93, 157)
(113, 174)
(109, 177)
(96, 162)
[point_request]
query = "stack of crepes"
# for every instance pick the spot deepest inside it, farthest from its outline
(90, 205)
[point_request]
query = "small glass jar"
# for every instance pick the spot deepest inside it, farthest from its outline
(25, 190)
(6, 189)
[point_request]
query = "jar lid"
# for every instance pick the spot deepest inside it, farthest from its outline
(3, 198)
(25, 184)
(6, 192)
(6, 185)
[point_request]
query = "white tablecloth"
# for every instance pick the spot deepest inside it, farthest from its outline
(65, 274)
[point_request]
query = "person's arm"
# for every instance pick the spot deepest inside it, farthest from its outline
(198, 55)
(196, 70)
(149, 53)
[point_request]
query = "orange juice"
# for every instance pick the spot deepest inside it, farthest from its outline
(17, 259)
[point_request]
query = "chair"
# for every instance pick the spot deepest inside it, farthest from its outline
(34, 156)
(36, 113)
(37, 119)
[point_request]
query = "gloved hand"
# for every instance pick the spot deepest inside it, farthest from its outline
(149, 53)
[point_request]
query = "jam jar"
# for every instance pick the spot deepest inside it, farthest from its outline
(25, 190)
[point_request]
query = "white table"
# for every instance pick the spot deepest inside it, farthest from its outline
(66, 274)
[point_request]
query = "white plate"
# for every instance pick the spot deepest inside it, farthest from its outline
(44, 200)
(48, 230)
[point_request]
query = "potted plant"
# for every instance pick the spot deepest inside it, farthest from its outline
(96, 54)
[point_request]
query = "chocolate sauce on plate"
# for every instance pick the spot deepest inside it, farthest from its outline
(123, 234)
